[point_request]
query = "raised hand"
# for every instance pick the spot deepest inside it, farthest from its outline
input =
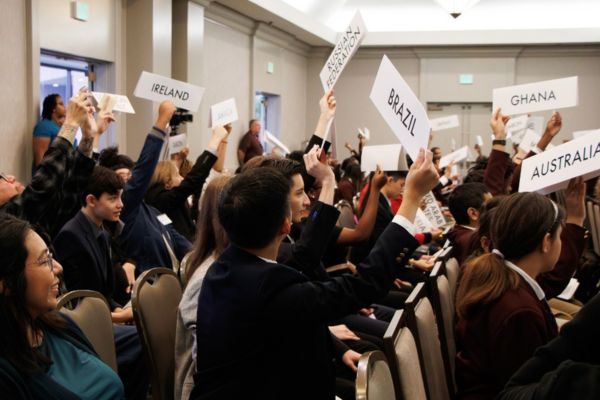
(575, 201)
(422, 176)
(554, 124)
(379, 179)
(498, 124)
(320, 171)
(165, 112)
(327, 104)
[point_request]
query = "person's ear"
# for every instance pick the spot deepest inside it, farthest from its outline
(90, 200)
(473, 214)
(546, 243)
(286, 226)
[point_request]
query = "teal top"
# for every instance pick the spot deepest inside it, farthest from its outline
(82, 373)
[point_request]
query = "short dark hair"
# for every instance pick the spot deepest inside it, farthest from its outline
(286, 166)
(253, 205)
(110, 158)
(253, 120)
(464, 197)
(49, 105)
(102, 180)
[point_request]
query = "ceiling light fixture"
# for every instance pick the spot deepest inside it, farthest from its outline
(456, 7)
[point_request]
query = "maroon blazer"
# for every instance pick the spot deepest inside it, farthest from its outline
(495, 171)
(460, 239)
(498, 339)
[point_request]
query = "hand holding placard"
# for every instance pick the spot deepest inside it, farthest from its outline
(498, 124)
(575, 201)
(552, 129)
(165, 112)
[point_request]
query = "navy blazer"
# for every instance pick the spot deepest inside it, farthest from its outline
(383, 218)
(84, 265)
(262, 327)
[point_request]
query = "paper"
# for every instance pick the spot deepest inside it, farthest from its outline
(438, 124)
(479, 140)
(456, 156)
(343, 51)
(421, 222)
(364, 132)
(570, 290)
(177, 143)
(121, 103)
(536, 124)
(530, 140)
(223, 113)
(517, 124)
(400, 108)
(389, 157)
(276, 142)
(538, 96)
(432, 211)
(578, 134)
(158, 88)
(551, 170)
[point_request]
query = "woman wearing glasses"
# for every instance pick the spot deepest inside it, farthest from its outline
(501, 302)
(42, 353)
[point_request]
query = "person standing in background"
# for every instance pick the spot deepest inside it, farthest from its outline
(53, 116)
(250, 145)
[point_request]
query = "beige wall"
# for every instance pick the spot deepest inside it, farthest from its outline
(15, 130)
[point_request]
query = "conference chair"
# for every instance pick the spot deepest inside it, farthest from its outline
(421, 322)
(443, 306)
(593, 216)
(346, 218)
(155, 300)
(451, 267)
(404, 361)
(91, 312)
(183, 266)
(373, 378)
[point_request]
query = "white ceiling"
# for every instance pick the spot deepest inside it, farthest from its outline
(425, 22)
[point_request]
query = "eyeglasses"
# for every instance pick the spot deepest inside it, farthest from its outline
(49, 262)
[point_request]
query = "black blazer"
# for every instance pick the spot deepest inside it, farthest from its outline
(84, 266)
(382, 220)
(262, 327)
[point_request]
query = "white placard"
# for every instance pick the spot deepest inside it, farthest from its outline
(364, 132)
(177, 143)
(121, 104)
(536, 124)
(456, 156)
(276, 142)
(400, 108)
(538, 96)
(343, 51)
(530, 140)
(551, 170)
(389, 157)
(517, 123)
(223, 113)
(479, 140)
(438, 124)
(432, 210)
(570, 290)
(158, 88)
(578, 134)
(422, 223)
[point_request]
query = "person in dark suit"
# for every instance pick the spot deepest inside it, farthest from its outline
(262, 326)
(83, 248)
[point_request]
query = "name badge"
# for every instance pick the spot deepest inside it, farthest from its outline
(164, 219)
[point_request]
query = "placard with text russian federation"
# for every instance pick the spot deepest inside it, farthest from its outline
(551, 170)
(159, 88)
(538, 96)
(400, 108)
(343, 51)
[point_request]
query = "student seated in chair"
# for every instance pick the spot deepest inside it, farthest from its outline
(261, 326)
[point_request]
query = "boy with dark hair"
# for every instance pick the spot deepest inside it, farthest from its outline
(252, 310)
(464, 204)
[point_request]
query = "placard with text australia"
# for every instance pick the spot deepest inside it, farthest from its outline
(343, 51)
(400, 108)
(159, 88)
(538, 96)
(551, 170)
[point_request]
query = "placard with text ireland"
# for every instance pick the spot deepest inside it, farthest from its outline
(551, 170)
(538, 96)
(343, 51)
(158, 88)
(400, 108)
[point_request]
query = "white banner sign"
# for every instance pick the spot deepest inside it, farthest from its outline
(389, 157)
(158, 88)
(223, 113)
(438, 124)
(177, 143)
(400, 108)
(432, 210)
(479, 141)
(456, 156)
(422, 223)
(364, 132)
(538, 96)
(551, 170)
(276, 142)
(343, 52)
(578, 134)
(121, 103)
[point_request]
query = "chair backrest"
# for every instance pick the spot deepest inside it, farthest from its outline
(183, 266)
(452, 269)
(443, 307)
(155, 302)
(593, 216)
(346, 218)
(403, 359)
(421, 321)
(90, 311)
(373, 378)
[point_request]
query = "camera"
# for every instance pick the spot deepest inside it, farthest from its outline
(180, 116)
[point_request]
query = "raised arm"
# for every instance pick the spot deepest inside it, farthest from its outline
(495, 170)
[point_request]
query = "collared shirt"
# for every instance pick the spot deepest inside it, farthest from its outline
(97, 230)
(468, 227)
(532, 282)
